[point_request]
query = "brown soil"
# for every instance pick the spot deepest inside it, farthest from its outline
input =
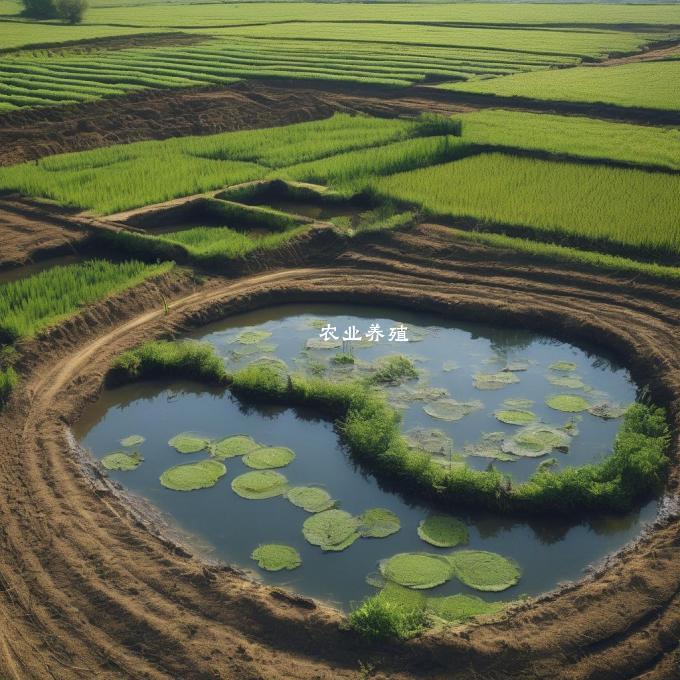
(28, 234)
(663, 51)
(87, 591)
(35, 133)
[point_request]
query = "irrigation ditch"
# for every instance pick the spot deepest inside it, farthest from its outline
(88, 589)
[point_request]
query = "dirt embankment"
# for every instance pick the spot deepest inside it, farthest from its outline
(29, 234)
(87, 591)
(35, 133)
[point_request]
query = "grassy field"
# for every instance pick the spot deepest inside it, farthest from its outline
(618, 206)
(575, 136)
(341, 42)
(116, 178)
(30, 305)
(645, 85)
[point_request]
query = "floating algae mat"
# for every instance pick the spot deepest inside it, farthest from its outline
(267, 478)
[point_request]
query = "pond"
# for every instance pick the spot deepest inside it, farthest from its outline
(449, 358)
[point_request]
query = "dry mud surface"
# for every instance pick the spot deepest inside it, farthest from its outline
(28, 234)
(86, 590)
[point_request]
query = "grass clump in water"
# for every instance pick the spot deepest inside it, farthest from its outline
(417, 570)
(310, 498)
(515, 417)
(569, 403)
(378, 523)
(443, 531)
(166, 359)
(484, 570)
(275, 557)
(266, 457)
(132, 440)
(343, 359)
(331, 530)
(193, 476)
(572, 382)
(607, 410)
(188, 442)
(252, 337)
(260, 484)
(122, 461)
(230, 447)
(394, 370)
(394, 613)
(451, 410)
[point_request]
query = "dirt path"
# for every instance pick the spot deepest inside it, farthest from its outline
(87, 591)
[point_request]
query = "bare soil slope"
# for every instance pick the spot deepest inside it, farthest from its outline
(87, 591)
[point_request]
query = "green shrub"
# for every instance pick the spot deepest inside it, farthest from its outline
(164, 359)
(383, 618)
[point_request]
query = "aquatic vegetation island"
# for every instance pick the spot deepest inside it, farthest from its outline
(339, 339)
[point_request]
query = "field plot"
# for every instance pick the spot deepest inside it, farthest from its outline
(584, 201)
(309, 41)
(646, 85)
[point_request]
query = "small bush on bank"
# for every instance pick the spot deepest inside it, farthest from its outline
(384, 617)
(9, 379)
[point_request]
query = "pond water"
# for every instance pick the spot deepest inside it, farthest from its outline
(229, 527)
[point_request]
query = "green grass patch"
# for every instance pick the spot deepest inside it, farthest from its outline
(310, 498)
(132, 440)
(515, 417)
(483, 570)
(30, 305)
(459, 608)
(9, 380)
(443, 531)
(643, 84)
(275, 557)
(266, 457)
(331, 530)
(188, 442)
(378, 523)
(193, 476)
(420, 571)
(230, 447)
(585, 203)
(570, 403)
(260, 484)
(122, 460)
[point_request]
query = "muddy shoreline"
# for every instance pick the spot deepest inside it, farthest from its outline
(85, 590)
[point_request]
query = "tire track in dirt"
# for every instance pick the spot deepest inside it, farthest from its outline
(113, 601)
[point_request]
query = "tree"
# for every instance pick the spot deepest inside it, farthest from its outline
(71, 11)
(39, 9)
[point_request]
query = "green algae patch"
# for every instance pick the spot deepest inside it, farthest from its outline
(230, 447)
(252, 337)
(378, 523)
(417, 570)
(484, 570)
(266, 457)
(122, 461)
(331, 530)
(192, 476)
(451, 410)
(275, 557)
(132, 440)
(310, 498)
(443, 531)
(433, 441)
(188, 442)
(569, 403)
(450, 365)
(518, 404)
(458, 608)
(260, 484)
(536, 440)
(515, 416)
(494, 381)
(607, 410)
(563, 366)
(571, 382)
